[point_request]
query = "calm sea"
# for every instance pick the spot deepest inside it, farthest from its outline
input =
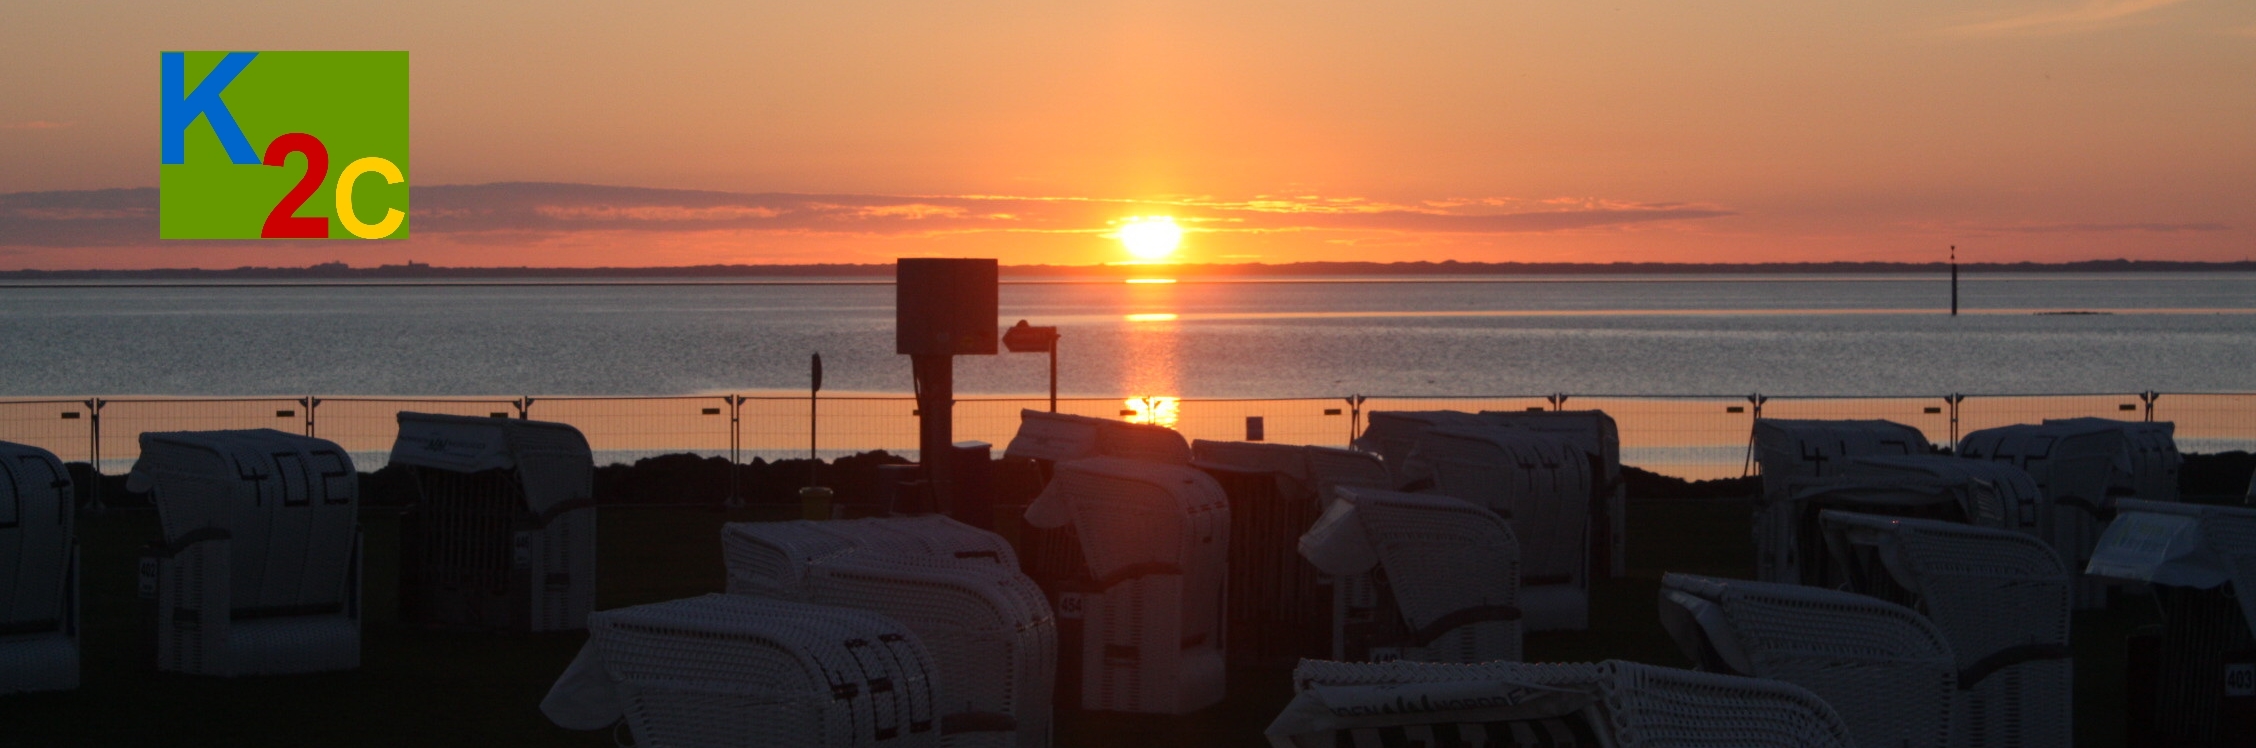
(1466, 336)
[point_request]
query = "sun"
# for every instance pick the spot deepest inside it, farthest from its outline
(1150, 237)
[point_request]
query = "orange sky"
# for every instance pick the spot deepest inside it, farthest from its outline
(1491, 130)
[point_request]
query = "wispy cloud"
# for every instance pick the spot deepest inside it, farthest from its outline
(36, 124)
(2089, 15)
(512, 211)
(2106, 228)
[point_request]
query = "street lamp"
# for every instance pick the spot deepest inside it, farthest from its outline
(1025, 338)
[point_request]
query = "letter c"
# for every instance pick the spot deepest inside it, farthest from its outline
(345, 215)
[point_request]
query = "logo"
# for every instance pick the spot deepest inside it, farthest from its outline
(283, 145)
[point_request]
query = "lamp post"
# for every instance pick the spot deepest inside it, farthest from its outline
(1025, 338)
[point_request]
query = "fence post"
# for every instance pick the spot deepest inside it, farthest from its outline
(524, 408)
(309, 402)
(2150, 396)
(1558, 401)
(736, 447)
(1354, 419)
(94, 446)
(1756, 400)
(1954, 399)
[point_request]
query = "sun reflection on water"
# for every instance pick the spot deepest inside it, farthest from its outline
(1157, 410)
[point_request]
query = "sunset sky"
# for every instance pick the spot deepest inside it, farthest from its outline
(671, 133)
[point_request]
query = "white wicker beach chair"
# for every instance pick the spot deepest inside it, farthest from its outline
(38, 572)
(2082, 466)
(990, 631)
(2154, 454)
(1278, 605)
(1434, 578)
(2000, 596)
(502, 535)
(259, 571)
(1058, 437)
(1156, 541)
(1798, 451)
(1541, 485)
(995, 662)
(1600, 440)
(2200, 562)
(730, 671)
(1888, 670)
(1614, 704)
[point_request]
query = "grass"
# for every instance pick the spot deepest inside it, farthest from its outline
(439, 689)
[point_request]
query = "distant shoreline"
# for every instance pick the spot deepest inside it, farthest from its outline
(1312, 271)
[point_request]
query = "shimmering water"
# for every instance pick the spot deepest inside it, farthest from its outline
(1614, 334)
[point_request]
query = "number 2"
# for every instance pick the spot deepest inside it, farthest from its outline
(280, 224)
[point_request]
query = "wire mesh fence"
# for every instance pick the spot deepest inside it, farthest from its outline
(1686, 436)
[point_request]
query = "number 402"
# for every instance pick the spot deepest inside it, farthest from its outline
(280, 224)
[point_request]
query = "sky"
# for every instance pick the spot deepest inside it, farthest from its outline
(680, 133)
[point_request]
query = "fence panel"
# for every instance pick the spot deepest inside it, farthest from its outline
(1321, 421)
(366, 426)
(123, 421)
(1685, 436)
(625, 429)
(64, 427)
(2210, 423)
(1692, 437)
(776, 427)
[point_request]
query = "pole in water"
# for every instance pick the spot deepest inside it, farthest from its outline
(1954, 280)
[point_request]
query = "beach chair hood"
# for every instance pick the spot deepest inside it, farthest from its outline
(552, 459)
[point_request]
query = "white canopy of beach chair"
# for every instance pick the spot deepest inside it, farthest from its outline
(2000, 596)
(39, 603)
(1887, 670)
(730, 671)
(503, 532)
(1443, 572)
(260, 568)
(1058, 437)
(1156, 538)
(1611, 703)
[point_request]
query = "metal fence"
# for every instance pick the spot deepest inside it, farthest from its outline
(1681, 435)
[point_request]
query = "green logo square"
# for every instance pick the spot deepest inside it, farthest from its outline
(241, 132)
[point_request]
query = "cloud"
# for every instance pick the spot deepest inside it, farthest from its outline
(2103, 228)
(514, 212)
(36, 124)
(78, 218)
(2091, 15)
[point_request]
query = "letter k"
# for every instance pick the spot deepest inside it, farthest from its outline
(181, 111)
